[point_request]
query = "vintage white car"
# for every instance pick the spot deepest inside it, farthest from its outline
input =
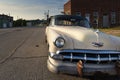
(76, 48)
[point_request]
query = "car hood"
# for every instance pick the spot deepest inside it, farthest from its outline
(85, 38)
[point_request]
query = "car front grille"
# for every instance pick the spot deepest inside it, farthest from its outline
(90, 56)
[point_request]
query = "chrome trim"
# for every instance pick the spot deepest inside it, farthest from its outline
(98, 56)
(91, 51)
(60, 46)
(110, 57)
(85, 57)
(51, 54)
(71, 57)
(98, 44)
(90, 59)
(99, 59)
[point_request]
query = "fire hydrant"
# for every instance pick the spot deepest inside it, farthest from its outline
(80, 68)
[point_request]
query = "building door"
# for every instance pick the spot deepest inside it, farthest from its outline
(10, 24)
(105, 21)
(4, 25)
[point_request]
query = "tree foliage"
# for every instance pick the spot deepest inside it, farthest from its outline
(19, 23)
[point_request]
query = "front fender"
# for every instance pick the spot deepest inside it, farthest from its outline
(116, 41)
(52, 35)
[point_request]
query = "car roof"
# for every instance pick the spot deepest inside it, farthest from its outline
(72, 16)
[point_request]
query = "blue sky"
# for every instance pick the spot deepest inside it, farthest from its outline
(31, 9)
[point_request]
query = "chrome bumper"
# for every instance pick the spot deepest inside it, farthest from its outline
(60, 67)
(56, 66)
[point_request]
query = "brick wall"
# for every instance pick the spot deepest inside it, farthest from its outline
(67, 7)
(106, 9)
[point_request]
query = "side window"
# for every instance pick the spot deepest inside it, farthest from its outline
(50, 21)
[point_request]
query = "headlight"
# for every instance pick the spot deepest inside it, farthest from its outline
(59, 42)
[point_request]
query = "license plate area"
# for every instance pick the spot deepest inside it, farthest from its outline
(91, 69)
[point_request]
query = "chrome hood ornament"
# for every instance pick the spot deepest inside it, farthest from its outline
(97, 44)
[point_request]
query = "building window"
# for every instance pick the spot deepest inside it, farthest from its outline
(96, 18)
(95, 14)
(87, 16)
(113, 17)
(119, 17)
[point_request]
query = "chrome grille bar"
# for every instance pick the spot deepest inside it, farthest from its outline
(90, 55)
(98, 58)
(85, 57)
(89, 59)
(71, 57)
(109, 57)
(91, 51)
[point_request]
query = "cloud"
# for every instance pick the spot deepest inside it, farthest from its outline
(31, 9)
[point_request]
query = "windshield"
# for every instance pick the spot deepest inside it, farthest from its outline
(72, 21)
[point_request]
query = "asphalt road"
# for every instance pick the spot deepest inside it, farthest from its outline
(23, 56)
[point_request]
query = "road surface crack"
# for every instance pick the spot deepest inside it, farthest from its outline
(13, 52)
(29, 57)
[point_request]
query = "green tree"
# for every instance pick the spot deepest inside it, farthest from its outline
(19, 23)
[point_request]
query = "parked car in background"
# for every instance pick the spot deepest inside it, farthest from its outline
(76, 48)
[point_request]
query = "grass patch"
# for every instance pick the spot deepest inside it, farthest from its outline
(113, 31)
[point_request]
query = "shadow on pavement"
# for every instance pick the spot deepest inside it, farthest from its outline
(97, 76)
(100, 76)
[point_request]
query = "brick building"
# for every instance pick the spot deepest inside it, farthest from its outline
(104, 12)
(6, 21)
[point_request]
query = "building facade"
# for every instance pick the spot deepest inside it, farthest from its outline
(6, 21)
(31, 23)
(103, 13)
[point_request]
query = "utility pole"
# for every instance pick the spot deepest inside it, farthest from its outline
(48, 15)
